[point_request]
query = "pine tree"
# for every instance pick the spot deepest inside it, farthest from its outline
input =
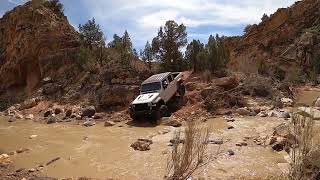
(171, 38)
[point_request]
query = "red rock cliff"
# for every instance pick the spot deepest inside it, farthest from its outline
(34, 43)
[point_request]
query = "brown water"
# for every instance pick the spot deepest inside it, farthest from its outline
(106, 151)
(102, 152)
(308, 96)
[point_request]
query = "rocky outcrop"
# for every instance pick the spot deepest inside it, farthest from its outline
(289, 37)
(34, 43)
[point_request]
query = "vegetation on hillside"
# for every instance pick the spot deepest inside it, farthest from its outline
(212, 57)
(55, 6)
(167, 46)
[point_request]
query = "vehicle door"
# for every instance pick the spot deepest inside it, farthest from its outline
(165, 87)
(171, 90)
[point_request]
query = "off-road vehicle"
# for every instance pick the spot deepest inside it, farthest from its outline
(156, 95)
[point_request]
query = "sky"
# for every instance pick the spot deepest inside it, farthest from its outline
(142, 18)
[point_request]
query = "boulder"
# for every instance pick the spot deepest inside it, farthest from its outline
(22, 150)
(142, 145)
(47, 113)
(50, 89)
(52, 119)
(47, 80)
(271, 140)
(243, 111)
(283, 114)
(18, 115)
(78, 117)
(317, 102)
(109, 123)
(263, 114)
(168, 121)
(68, 113)
(30, 103)
(30, 117)
(89, 123)
(315, 113)
(227, 83)
(97, 116)
(88, 111)
(287, 102)
(230, 152)
(282, 130)
(33, 136)
(58, 110)
(218, 141)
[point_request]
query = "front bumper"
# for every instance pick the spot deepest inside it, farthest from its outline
(145, 112)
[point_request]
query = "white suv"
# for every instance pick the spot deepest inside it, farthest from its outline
(155, 94)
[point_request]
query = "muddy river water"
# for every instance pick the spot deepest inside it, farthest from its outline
(102, 152)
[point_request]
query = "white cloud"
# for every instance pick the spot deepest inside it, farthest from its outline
(17, 2)
(142, 18)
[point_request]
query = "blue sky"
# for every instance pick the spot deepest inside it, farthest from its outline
(142, 18)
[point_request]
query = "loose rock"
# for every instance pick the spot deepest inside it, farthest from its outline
(33, 136)
(142, 145)
(30, 117)
(47, 113)
(22, 150)
(89, 123)
(263, 114)
(230, 152)
(109, 123)
(168, 121)
(88, 111)
(57, 110)
(68, 113)
(218, 141)
(52, 119)
(97, 116)
(243, 111)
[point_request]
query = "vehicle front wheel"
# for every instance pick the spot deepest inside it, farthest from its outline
(164, 111)
(134, 117)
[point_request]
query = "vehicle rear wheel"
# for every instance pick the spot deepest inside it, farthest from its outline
(181, 89)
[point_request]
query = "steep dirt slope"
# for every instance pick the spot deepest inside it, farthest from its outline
(34, 43)
(289, 36)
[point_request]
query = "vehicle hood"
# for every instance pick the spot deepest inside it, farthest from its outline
(146, 98)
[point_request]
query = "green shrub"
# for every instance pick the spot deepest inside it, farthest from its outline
(85, 59)
(55, 6)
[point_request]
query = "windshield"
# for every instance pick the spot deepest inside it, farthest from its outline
(150, 87)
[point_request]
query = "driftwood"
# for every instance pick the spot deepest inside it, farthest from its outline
(52, 161)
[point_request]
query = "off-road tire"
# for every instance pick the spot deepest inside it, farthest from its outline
(135, 117)
(181, 89)
(164, 111)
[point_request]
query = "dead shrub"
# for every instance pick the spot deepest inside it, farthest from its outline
(206, 76)
(218, 100)
(304, 154)
(190, 155)
(255, 85)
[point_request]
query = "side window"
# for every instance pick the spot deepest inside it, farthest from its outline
(165, 84)
(170, 78)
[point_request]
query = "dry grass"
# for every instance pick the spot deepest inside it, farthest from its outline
(304, 154)
(190, 155)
